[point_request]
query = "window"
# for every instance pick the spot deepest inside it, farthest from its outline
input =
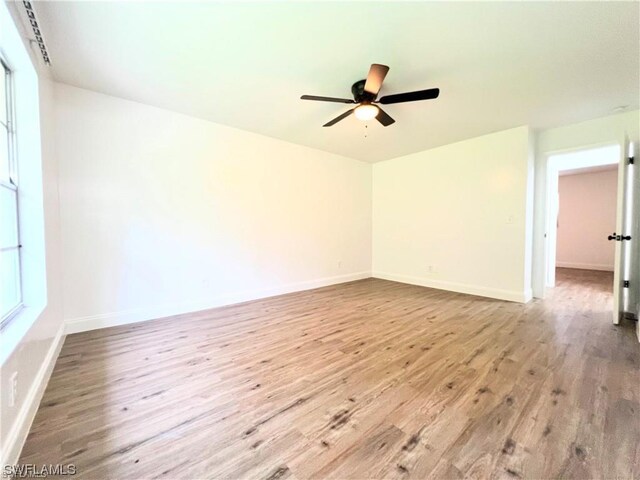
(10, 272)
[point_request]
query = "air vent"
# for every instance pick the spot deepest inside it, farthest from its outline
(36, 31)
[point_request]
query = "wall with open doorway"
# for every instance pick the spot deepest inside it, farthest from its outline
(587, 214)
(608, 130)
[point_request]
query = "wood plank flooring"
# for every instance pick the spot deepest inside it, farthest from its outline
(370, 379)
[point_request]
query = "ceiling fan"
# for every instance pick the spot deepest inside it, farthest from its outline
(365, 93)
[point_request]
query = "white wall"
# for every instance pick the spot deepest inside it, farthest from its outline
(586, 216)
(589, 134)
(457, 217)
(162, 213)
(29, 345)
(599, 131)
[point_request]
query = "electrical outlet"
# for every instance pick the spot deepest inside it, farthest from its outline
(13, 389)
(432, 269)
(339, 263)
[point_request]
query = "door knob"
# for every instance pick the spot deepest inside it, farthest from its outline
(618, 238)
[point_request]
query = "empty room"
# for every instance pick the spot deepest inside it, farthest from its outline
(320, 239)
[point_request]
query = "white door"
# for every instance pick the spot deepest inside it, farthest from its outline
(622, 235)
(634, 245)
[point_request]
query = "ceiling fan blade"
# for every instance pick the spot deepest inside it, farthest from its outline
(384, 118)
(327, 99)
(338, 118)
(410, 96)
(375, 78)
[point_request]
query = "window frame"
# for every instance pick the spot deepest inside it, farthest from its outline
(13, 182)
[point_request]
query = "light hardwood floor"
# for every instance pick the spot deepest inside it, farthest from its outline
(371, 379)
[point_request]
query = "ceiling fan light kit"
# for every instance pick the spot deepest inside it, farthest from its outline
(365, 94)
(366, 111)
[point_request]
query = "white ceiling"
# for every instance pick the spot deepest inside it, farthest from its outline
(498, 65)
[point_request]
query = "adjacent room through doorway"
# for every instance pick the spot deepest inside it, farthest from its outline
(585, 248)
(586, 217)
(582, 210)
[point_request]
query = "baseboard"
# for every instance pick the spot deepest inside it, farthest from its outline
(585, 266)
(94, 322)
(20, 429)
(509, 295)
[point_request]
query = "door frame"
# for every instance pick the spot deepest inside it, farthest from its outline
(544, 187)
(624, 226)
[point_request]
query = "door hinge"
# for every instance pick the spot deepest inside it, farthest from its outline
(625, 284)
(631, 160)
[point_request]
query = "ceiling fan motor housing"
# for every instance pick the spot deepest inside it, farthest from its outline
(359, 94)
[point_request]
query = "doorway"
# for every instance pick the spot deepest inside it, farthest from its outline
(581, 210)
(578, 230)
